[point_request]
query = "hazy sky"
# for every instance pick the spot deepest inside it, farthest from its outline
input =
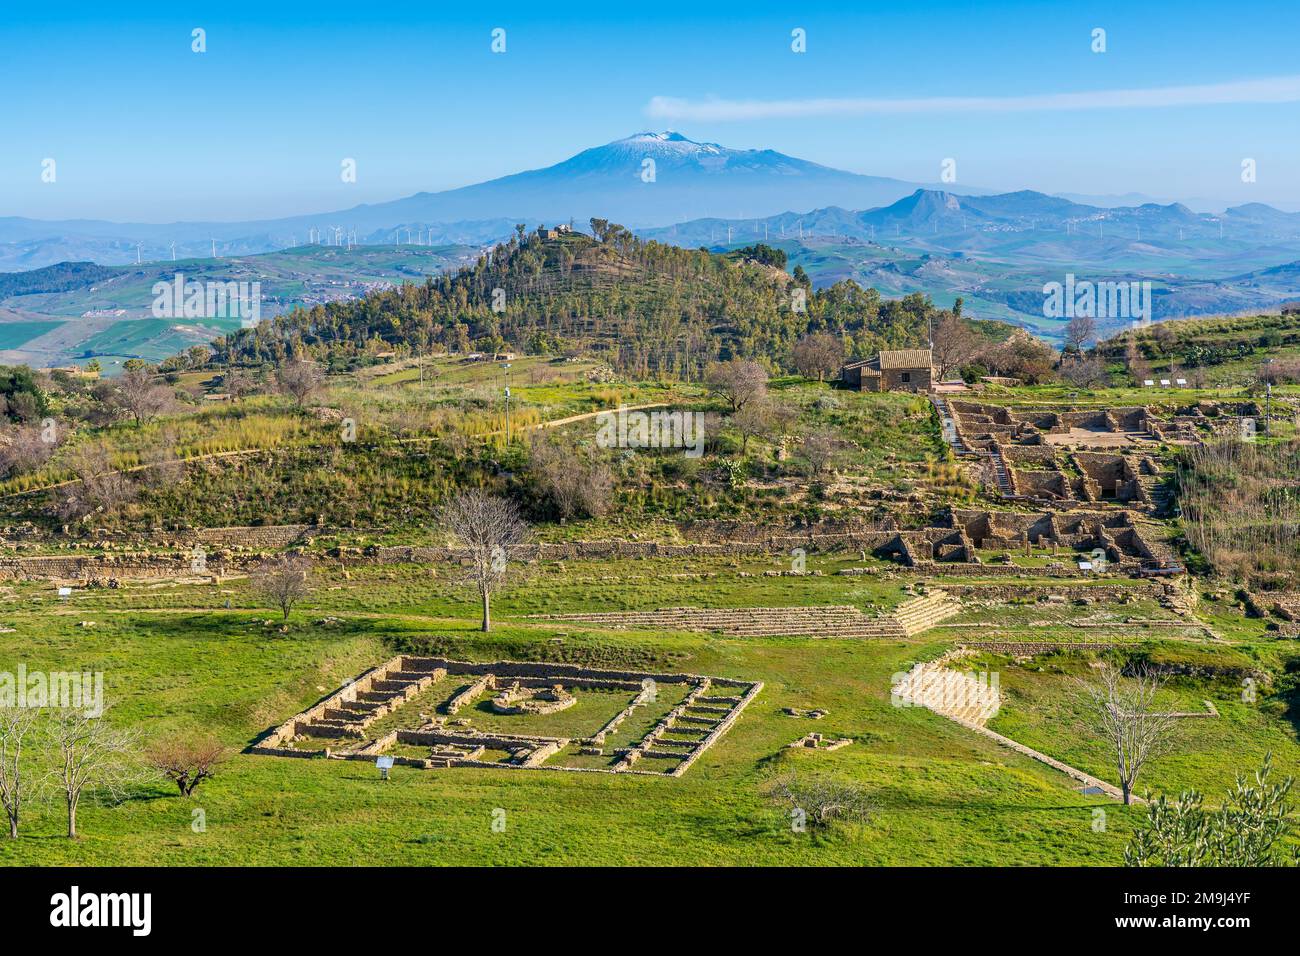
(142, 128)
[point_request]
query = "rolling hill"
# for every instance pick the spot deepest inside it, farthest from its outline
(647, 308)
(76, 311)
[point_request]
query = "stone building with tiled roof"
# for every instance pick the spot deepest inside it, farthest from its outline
(893, 370)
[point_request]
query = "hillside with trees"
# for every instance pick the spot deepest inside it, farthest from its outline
(647, 308)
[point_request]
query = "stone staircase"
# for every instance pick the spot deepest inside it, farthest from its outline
(1158, 491)
(1000, 473)
(945, 414)
(972, 702)
(953, 694)
(350, 718)
(694, 719)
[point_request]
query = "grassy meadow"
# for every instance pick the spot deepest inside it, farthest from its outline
(194, 659)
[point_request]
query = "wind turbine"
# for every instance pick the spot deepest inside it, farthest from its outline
(214, 248)
(173, 252)
(137, 253)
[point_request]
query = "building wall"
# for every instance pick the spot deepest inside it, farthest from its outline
(892, 380)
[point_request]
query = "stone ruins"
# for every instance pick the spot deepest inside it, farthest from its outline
(909, 618)
(343, 725)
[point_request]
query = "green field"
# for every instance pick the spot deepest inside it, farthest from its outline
(14, 335)
(177, 660)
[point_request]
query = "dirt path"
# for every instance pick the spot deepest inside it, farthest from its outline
(557, 422)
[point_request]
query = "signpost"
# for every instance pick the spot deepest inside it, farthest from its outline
(384, 764)
(506, 368)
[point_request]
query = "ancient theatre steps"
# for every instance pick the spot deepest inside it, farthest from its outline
(961, 697)
(922, 613)
(972, 701)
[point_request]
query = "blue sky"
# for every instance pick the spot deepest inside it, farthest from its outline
(141, 128)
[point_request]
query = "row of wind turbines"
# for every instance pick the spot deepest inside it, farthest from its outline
(139, 251)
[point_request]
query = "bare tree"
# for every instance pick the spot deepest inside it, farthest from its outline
(1080, 330)
(161, 467)
(955, 344)
(284, 580)
(1122, 711)
(25, 448)
(754, 420)
(486, 527)
(238, 384)
(187, 763)
(819, 355)
(138, 397)
(1134, 360)
(737, 380)
(298, 379)
(576, 481)
(101, 487)
(819, 450)
(1083, 372)
(15, 725)
(89, 754)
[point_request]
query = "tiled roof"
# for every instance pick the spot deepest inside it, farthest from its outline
(905, 358)
(869, 366)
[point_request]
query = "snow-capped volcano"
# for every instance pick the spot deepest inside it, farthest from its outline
(657, 178)
(644, 180)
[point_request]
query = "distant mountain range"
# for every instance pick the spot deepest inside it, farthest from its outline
(995, 250)
(975, 222)
(646, 180)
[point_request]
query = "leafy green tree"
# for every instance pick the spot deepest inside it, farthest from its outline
(1246, 831)
(24, 400)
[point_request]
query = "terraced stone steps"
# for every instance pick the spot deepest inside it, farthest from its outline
(350, 718)
(972, 702)
(922, 613)
(948, 692)
(842, 621)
